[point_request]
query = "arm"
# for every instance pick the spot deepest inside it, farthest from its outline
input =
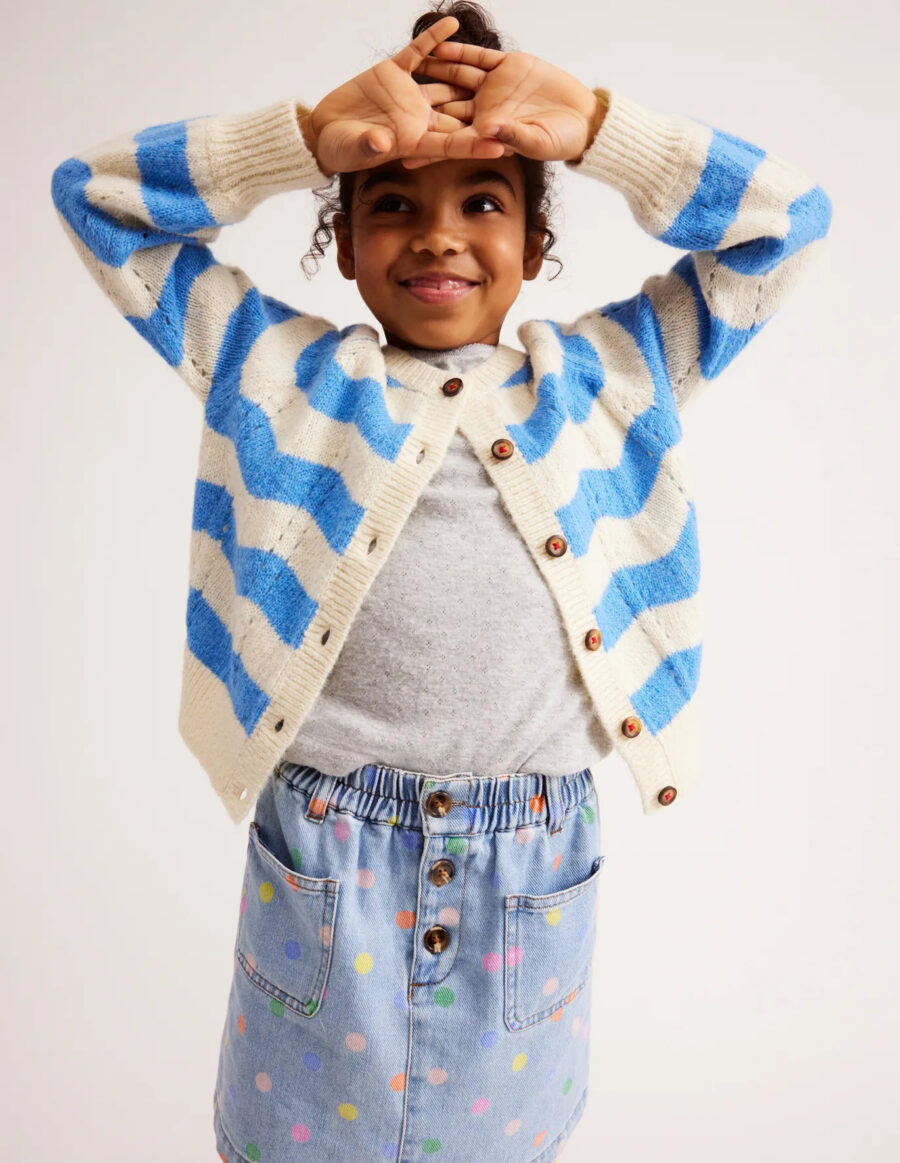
(141, 210)
(749, 219)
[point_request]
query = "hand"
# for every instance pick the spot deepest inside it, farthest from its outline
(541, 111)
(386, 109)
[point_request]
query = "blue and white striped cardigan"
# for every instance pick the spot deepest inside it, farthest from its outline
(317, 441)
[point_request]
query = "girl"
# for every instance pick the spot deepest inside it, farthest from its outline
(436, 551)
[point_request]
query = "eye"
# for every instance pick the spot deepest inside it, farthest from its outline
(382, 202)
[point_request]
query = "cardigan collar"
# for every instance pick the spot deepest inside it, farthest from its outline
(424, 377)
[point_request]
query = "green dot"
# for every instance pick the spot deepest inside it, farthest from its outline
(431, 1146)
(457, 845)
(297, 858)
(444, 996)
(276, 1007)
(567, 1086)
(253, 1152)
(429, 783)
(312, 1007)
(587, 814)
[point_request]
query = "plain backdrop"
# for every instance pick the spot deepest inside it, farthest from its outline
(745, 987)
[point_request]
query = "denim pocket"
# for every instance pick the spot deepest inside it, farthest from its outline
(549, 949)
(286, 929)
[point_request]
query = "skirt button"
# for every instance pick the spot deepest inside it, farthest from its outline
(441, 872)
(436, 939)
(438, 803)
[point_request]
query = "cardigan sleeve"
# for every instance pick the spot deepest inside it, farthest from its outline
(142, 208)
(749, 219)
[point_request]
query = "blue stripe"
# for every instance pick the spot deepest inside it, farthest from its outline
(671, 685)
(262, 576)
(210, 642)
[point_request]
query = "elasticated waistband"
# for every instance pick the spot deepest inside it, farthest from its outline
(392, 795)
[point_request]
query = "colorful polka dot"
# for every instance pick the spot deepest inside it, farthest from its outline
(347, 1111)
(263, 1082)
(489, 1038)
(355, 1042)
(480, 1105)
(253, 1152)
(341, 830)
(325, 934)
(276, 1007)
(431, 1146)
(519, 1061)
(492, 962)
(551, 985)
(567, 1086)
(398, 1082)
(444, 996)
(301, 1133)
(587, 813)
(405, 919)
(292, 949)
(365, 877)
(401, 1001)
(554, 916)
(296, 859)
(514, 955)
(557, 861)
(312, 1061)
(539, 1138)
(437, 1076)
(363, 963)
(512, 1127)
(457, 845)
(242, 1024)
(537, 804)
(266, 891)
(448, 916)
(525, 835)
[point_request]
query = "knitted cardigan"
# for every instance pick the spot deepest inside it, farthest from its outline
(317, 440)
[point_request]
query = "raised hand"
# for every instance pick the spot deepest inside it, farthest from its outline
(383, 114)
(539, 110)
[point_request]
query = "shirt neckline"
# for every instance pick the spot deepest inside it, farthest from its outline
(425, 377)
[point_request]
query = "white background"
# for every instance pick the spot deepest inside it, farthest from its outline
(746, 985)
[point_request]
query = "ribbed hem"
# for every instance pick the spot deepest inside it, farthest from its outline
(255, 155)
(636, 150)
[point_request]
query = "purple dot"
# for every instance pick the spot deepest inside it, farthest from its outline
(582, 933)
(292, 949)
(400, 1000)
(489, 1038)
(550, 1074)
(496, 880)
(232, 1091)
(411, 840)
(389, 1150)
(311, 1060)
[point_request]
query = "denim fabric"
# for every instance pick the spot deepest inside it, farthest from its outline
(412, 969)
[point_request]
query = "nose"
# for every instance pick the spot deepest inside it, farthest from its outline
(440, 233)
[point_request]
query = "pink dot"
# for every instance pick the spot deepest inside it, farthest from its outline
(243, 903)
(480, 1105)
(365, 877)
(356, 1042)
(301, 1133)
(263, 1082)
(514, 955)
(512, 1127)
(492, 962)
(437, 1076)
(341, 830)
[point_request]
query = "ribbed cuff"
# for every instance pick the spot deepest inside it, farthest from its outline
(255, 155)
(636, 150)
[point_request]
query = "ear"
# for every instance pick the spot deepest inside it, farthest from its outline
(344, 243)
(533, 257)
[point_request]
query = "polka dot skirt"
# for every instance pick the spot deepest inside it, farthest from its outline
(412, 969)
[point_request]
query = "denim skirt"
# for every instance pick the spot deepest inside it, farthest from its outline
(412, 968)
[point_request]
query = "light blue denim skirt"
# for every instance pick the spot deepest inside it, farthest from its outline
(412, 969)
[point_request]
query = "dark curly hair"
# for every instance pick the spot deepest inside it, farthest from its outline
(475, 27)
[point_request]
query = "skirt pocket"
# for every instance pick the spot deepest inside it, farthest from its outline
(286, 929)
(549, 949)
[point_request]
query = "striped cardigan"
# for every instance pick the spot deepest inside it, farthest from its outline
(317, 441)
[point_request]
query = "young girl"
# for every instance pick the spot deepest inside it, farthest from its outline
(434, 581)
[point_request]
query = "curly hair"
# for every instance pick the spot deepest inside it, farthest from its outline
(475, 27)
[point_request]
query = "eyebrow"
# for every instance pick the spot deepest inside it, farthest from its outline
(403, 177)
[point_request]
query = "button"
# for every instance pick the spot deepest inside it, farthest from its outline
(438, 803)
(502, 448)
(667, 795)
(436, 939)
(556, 545)
(631, 726)
(452, 387)
(592, 639)
(441, 872)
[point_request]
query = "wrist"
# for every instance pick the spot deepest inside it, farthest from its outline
(599, 104)
(310, 132)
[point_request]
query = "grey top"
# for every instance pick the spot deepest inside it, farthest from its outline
(457, 660)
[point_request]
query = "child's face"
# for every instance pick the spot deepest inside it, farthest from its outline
(436, 217)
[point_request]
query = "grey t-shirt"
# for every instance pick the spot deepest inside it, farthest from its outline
(457, 660)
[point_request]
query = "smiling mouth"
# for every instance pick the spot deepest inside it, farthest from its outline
(445, 291)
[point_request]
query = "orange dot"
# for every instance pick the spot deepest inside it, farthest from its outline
(539, 1138)
(557, 1015)
(398, 1082)
(242, 1024)
(571, 995)
(536, 803)
(405, 919)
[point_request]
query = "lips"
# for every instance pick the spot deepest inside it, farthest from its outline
(439, 281)
(438, 288)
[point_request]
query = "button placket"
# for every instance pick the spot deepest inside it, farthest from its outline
(445, 822)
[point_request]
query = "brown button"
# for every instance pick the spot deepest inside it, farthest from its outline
(441, 872)
(436, 939)
(556, 545)
(452, 387)
(438, 803)
(502, 448)
(667, 795)
(592, 639)
(631, 726)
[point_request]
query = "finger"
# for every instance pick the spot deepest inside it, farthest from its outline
(471, 54)
(412, 54)
(440, 93)
(464, 110)
(445, 123)
(462, 143)
(466, 76)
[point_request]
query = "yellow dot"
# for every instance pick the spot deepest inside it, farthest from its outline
(519, 1061)
(266, 891)
(394, 820)
(554, 917)
(347, 1110)
(363, 962)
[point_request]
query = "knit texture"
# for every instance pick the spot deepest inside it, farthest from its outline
(317, 441)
